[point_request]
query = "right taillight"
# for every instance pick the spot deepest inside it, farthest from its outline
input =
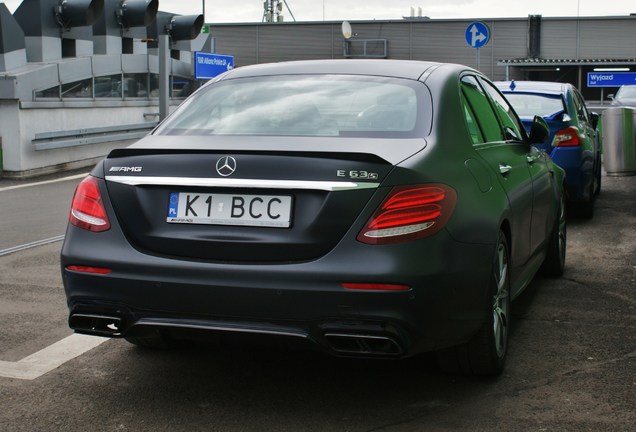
(410, 213)
(87, 209)
(568, 137)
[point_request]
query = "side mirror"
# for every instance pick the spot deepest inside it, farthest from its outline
(594, 117)
(539, 132)
(610, 96)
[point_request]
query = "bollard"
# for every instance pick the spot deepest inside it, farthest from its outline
(619, 141)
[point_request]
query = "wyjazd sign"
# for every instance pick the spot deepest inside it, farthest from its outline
(610, 79)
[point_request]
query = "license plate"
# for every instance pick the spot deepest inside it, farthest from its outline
(230, 209)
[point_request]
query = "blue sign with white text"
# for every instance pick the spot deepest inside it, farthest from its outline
(477, 34)
(207, 66)
(610, 79)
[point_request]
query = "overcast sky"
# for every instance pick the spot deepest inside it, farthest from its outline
(224, 11)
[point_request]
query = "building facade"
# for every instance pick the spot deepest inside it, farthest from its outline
(537, 48)
(72, 89)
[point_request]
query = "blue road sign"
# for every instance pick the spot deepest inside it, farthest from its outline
(477, 34)
(207, 66)
(610, 79)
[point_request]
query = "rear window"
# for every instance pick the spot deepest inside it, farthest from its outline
(304, 106)
(529, 105)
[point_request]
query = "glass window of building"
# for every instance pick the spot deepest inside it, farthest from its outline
(135, 85)
(108, 86)
(49, 93)
(78, 89)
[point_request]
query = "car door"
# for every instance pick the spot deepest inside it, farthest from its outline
(507, 158)
(543, 206)
(590, 144)
(585, 119)
(521, 169)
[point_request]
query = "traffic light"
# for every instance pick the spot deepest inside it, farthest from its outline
(177, 27)
(78, 13)
(185, 27)
(136, 13)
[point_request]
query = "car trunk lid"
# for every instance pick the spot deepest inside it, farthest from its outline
(244, 205)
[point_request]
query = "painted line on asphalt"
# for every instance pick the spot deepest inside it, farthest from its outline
(73, 177)
(25, 246)
(51, 357)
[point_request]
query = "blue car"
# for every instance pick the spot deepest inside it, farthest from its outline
(574, 142)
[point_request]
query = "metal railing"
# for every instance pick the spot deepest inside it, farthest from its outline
(98, 135)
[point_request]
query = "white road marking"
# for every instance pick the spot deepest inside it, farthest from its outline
(51, 357)
(74, 177)
(37, 243)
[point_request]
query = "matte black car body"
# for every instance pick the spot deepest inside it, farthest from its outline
(499, 214)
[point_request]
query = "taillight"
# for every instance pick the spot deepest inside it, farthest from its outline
(568, 137)
(87, 209)
(89, 269)
(410, 213)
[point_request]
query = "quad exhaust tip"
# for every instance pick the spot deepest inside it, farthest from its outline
(97, 325)
(360, 344)
(342, 343)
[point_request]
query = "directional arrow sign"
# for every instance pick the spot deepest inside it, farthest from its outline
(477, 34)
(207, 66)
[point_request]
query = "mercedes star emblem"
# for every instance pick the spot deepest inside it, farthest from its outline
(226, 166)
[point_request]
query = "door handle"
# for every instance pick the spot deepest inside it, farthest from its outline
(504, 168)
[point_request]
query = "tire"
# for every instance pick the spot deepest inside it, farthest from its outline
(485, 353)
(554, 262)
(599, 176)
(585, 209)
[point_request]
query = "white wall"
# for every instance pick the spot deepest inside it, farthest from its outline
(18, 128)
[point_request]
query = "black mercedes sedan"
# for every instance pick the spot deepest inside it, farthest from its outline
(371, 208)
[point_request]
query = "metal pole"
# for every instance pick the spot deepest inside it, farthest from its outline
(602, 97)
(164, 76)
(289, 10)
(478, 61)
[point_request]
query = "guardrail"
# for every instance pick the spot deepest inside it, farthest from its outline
(79, 137)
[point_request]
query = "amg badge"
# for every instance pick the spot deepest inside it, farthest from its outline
(126, 169)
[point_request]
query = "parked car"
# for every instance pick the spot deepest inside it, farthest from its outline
(371, 208)
(574, 142)
(625, 96)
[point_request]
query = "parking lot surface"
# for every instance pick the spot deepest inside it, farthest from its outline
(572, 364)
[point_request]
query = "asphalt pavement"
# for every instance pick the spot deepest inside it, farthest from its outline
(572, 363)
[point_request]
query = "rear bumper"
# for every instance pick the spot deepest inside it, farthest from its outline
(146, 294)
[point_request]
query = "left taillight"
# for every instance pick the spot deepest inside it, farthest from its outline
(410, 213)
(568, 137)
(87, 209)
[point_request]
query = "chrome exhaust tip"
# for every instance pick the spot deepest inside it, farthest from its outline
(96, 325)
(361, 344)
